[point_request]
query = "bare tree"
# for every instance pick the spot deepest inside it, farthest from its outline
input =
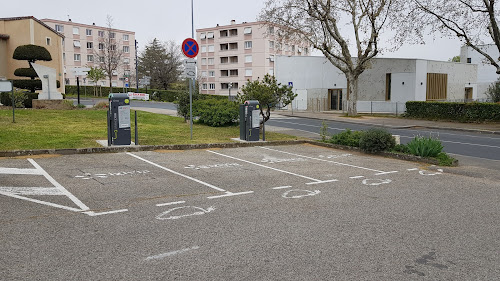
(473, 21)
(330, 26)
(109, 51)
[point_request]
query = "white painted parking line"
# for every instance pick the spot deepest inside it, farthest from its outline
(357, 177)
(173, 253)
(413, 169)
(94, 214)
(320, 182)
(15, 171)
(267, 167)
(171, 203)
(282, 187)
(177, 173)
(33, 191)
(324, 160)
(386, 173)
(230, 194)
(184, 211)
(41, 202)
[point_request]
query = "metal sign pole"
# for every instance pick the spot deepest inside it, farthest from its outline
(13, 107)
(192, 80)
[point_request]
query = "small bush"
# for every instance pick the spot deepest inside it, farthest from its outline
(376, 140)
(101, 105)
(347, 137)
(493, 91)
(183, 105)
(425, 146)
(323, 131)
(401, 148)
(216, 113)
(445, 159)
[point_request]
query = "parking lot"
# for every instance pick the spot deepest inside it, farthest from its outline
(262, 213)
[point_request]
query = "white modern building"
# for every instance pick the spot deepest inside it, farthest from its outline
(231, 55)
(384, 87)
(81, 41)
(486, 73)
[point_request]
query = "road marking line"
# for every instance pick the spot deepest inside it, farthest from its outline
(337, 163)
(177, 173)
(229, 194)
(41, 202)
(171, 203)
(31, 190)
(320, 182)
(386, 173)
(357, 177)
(263, 166)
(94, 214)
(15, 171)
(282, 187)
(72, 197)
(414, 169)
(306, 125)
(161, 256)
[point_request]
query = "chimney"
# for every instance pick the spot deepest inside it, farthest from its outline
(233, 22)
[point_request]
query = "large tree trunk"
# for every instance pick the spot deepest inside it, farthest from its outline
(352, 93)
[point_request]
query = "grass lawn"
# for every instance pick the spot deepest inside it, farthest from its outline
(52, 129)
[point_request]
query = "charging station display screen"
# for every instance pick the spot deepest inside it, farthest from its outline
(255, 118)
(124, 116)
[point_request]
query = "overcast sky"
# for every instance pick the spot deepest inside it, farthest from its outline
(171, 20)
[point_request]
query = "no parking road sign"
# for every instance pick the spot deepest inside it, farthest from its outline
(190, 48)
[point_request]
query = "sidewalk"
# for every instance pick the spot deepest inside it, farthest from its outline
(396, 123)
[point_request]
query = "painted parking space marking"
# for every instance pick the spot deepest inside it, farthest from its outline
(170, 203)
(320, 182)
(271, 160)
(95, 214)
(324, 160)
(88, 176)
(182, 212)
(230, 194)
(335, 156)
(211, 166)
(33, 191)
(413, 169)
(386, 173)
(267, 167)
(282, 187)
(169, 254)
(299, 193)
(17, 171)
(357, 177)
(428, 173)
(376, 182)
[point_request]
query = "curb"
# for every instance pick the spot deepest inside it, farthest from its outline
(399, 127)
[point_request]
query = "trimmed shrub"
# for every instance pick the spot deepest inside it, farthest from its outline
(31, 85)
(31, 53)
(347, 137)
(26, 72)
(376, 140)
(401, 148)
(463, 112)
(425, 146)
(216, 113)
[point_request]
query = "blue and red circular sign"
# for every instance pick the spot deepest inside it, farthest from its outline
(190, 48)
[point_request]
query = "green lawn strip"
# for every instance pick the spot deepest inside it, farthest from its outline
(56, 129)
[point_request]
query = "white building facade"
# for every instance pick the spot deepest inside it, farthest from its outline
(233, 54)
(384, 87)
(486, 73)
(80, 43)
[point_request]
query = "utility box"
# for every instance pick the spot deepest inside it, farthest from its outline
(250, 120)
(119, 120)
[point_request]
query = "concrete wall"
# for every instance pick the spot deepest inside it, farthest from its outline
(459, 74)
(486, 73)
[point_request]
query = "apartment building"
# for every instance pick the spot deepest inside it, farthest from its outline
(81, 43)
(235, 53)
(18, 31)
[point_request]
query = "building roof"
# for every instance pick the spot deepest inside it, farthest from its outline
(87, 25)
(231, 25)
(35, 19)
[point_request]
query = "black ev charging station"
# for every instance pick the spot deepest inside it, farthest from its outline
(119, 120)
(250, 120)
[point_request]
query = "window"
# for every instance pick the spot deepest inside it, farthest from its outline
(212, 86)
(211, 48)
(293, 48)
(88, 32)
(101, 59)
(47, 40)
(90, 45)
(224, 73)
(77, 44)
(126, 49)
(306, 51)
(114, 84)
(77, 57)
(101, 46)
(211, 73)
(204, 86)
(126, 61)
(271, 44)
(248, 72)
(248, 30)
(248, 44)
(233, 59)
(112, 47)
(437, 86)
(271, 30)
(126, 73)
(224, 47)
(224, 33)
(90, 58)
(388, 83)
(59, 28)
(248, 58)
(203, 49)
(112, 35)
(233, 32)
(76, 30)
(271, 58)
(210, 35)
(211, 61)
(224, 60)
(233, 46)
(64, 56)
(469, 60)
(203, 74)
(103, 83)
(125, 37)
(203, 61)
(203, 36)
(115, 73)
(233, 72)
(100, 33)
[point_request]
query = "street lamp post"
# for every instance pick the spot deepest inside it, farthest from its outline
(136, 69)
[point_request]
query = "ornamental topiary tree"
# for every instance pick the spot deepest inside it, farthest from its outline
(31, 53)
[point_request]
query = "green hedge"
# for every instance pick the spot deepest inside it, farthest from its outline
(26, 99)
(457, 111)
(25, 72)
(216, 112)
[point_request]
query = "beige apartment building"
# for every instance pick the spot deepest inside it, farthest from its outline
(83, 40)
(236, 53)
(18, 31)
